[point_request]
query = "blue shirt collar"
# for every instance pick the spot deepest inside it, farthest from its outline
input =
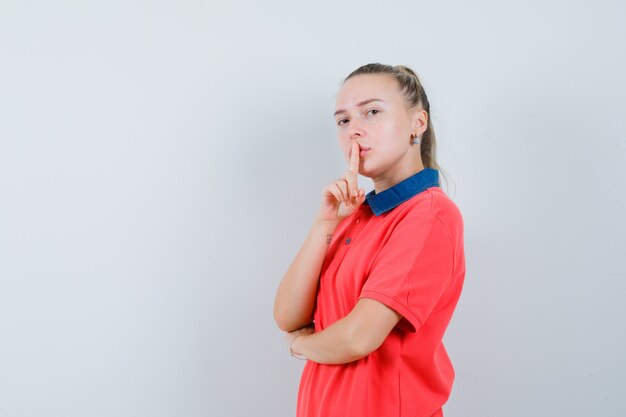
(402, 191)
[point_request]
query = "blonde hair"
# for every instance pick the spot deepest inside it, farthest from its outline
(411, 86)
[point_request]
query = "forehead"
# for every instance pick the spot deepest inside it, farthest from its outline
(365, 86)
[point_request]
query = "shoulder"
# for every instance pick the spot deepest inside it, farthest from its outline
(434, 205)
(433, 202)
(442, 205)
(446, 211)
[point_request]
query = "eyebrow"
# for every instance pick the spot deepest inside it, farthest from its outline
(363, 103)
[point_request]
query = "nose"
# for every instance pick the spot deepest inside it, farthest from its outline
(355, 131)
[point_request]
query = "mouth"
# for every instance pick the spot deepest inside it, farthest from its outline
(362, 150)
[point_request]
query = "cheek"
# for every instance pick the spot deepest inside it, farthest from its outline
(391, 132)
(398, 128)
(387, 125)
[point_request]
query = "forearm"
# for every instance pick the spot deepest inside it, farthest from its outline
(295, 297)
(336, 344)
(352, 337)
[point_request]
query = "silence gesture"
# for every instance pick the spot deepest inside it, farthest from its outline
(342, 197)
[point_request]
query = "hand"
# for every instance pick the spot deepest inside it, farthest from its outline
(343, 196)
(289, 336)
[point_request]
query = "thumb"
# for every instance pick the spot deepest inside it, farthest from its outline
(360, 198)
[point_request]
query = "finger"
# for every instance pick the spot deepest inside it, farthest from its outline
(354, 158)
(339, 194)
(343, 188)
(351, 179)
(349, 199)
(341, 185)
(358, 199)
(336, 192)
(361, 196)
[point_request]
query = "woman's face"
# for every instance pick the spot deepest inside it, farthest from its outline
(371, 110)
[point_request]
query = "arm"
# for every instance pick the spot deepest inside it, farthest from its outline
(296, 294)
(295, 297)
(353, 337)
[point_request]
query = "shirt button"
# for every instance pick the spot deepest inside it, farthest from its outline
(348, 240)
(357, 220)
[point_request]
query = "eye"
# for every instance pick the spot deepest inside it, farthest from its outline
(339, 122)
(374, 110)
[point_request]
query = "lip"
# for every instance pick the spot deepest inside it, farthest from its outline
(362, 150)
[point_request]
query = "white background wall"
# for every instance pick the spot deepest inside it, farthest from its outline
(161, 162)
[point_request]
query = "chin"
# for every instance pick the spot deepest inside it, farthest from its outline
(365, 172)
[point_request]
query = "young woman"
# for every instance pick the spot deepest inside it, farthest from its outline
(370, 293)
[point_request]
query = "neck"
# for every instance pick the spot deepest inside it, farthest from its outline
(394, 176)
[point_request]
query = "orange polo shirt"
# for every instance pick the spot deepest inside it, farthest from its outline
(404, 248)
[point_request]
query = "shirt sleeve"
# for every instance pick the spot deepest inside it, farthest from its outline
(412, 270)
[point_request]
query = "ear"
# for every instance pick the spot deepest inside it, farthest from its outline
(419, 121)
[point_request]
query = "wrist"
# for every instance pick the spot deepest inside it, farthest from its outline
(293, 349)
(325, 229)
(329, 225)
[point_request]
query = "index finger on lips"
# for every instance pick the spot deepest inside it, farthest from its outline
(354, 158)
(354, 168)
